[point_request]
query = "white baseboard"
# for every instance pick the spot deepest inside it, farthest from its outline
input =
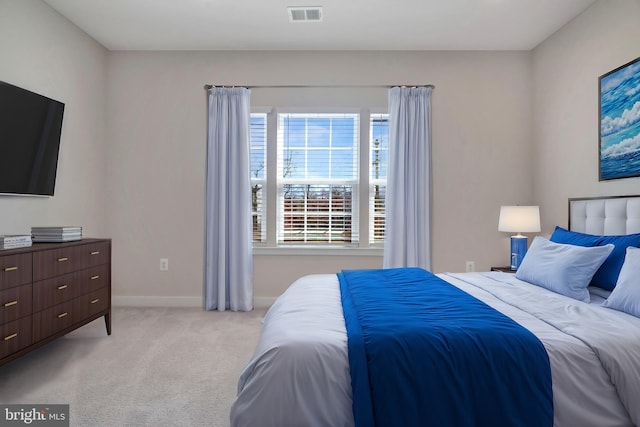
(147, 301)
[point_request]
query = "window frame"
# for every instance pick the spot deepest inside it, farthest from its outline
(261, 216)
(372, 182)
(306, 181)
(363, 247)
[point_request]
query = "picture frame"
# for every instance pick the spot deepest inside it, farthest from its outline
(619, 125)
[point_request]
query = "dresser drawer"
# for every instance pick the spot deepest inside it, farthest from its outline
(55, 262)
(50, 292)
(15, 336)
(54, 319)
(95, 254)
(15, 303)
(94, 278)
(15, 270)
(93, 303)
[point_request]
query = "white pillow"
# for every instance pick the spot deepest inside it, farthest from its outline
(562, 268)
(626, 295)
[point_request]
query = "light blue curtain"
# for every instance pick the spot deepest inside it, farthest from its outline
(408, 204)
(228, 252)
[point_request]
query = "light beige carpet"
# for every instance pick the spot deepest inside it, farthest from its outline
(160, 367)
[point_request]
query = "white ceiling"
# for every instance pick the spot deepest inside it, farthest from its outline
(346, 25)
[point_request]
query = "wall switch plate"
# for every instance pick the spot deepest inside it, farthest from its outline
(164, 264)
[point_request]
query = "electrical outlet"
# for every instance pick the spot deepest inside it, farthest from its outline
(471, 266)
(164, 264)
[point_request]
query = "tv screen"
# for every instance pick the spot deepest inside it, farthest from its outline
(30, 129)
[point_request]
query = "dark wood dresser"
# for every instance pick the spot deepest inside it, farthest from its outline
(50, 289)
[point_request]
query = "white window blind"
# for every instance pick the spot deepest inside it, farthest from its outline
(378, 153)
(258, 137)
(317, 179)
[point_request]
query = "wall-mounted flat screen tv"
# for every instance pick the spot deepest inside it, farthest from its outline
(30, 130)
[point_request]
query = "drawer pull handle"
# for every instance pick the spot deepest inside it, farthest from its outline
(95, 277)
(61, 315)
(9, 304)
(61, 287)
(95, 300)
(95, 253)
(10, 268)
(63, 259)
(7, 338)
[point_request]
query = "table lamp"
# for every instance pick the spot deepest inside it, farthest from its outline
(519, 219)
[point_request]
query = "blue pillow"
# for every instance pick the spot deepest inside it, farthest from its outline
(564, 269)
(626, 295)
(607, 274)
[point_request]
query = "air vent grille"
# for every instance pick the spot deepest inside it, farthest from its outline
(305, 14)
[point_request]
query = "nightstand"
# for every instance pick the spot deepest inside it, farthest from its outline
(506, 269)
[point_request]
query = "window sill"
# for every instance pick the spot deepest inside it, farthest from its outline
(309, 251)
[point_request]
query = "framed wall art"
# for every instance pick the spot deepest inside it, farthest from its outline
(619, 130)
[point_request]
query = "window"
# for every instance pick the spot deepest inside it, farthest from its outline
(378, 154)
(310, 193)
(258, 137)
(317, 178)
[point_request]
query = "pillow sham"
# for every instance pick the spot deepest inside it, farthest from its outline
(562, 268)
(607, 274)
(626, 295)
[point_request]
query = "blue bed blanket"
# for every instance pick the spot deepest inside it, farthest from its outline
(425, 353)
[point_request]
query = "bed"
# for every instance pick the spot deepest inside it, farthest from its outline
(303, 373)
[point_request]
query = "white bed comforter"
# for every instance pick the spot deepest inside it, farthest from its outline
(299, 374)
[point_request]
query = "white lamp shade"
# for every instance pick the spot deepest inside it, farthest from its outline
(519, 219)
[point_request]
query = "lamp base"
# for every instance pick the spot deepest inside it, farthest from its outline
(518, 250)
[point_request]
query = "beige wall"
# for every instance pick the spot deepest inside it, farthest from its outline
(156, 138)
(43, 52)
(566, 68)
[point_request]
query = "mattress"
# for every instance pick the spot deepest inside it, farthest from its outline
(299, 373)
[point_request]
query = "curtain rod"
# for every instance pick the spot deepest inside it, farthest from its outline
(208, 87)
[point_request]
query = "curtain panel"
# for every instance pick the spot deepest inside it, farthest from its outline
(228, 246)
(408, 199)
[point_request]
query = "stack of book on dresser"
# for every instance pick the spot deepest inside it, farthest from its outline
(12, 241)
(56, 234)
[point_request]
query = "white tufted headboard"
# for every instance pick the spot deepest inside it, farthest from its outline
(614, 215)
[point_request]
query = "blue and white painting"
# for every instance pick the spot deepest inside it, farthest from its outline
(620, 122)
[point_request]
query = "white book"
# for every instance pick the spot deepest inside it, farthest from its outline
(56, 238)
(10, 238)
(56, 231)
(15, 245)
(56, 234)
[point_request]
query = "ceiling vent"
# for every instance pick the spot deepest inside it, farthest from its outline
(305, 14)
